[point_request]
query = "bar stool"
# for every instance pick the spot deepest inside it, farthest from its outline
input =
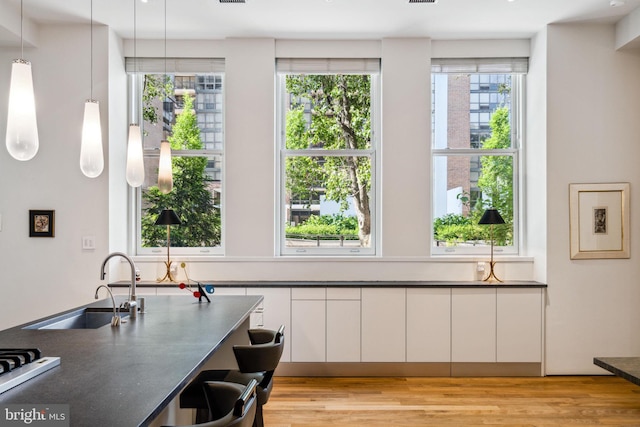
(229, 404)
(256, 361)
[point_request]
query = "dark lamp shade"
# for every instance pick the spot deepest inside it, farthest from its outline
(168, 217)
(491, 216)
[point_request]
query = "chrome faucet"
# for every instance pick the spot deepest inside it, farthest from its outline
(131, 304)
(115, 321)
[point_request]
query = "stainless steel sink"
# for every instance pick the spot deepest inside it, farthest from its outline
(85, 318)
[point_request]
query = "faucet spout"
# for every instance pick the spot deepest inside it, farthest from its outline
(132, 288)
(116, 318)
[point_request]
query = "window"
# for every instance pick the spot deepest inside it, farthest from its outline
(327, 122)
(184, 106)
(476, 142)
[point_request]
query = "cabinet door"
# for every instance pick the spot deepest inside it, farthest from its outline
(473, 325)
(383, 324)
(277, 311)
(429, 325)
(519, 325)
(343, 330)
(308, 324)
(308, 336)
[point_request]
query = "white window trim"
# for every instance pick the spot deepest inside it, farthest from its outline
(517, 142)
(333, 66)
(135, 73)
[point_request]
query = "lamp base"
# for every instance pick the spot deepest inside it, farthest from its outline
(492, 275)
(167, 276)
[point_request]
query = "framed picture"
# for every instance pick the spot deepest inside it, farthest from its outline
(41, 223)
(599, 220)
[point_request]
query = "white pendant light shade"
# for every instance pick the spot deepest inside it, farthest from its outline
(165, 174)
(91, 157)
(22, 128)
(135, 163)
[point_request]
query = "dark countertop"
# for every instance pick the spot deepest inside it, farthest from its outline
(624, 367)
(345, 284)
(127, 375)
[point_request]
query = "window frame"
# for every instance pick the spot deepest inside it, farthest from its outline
(136, 69)
(313, 66)
(517, 69)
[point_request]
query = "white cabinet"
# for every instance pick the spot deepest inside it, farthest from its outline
(473, 325)
(519, 327)
(429, 325)
(343, 324)
(383, 324)
(277, 311)
(308, 325)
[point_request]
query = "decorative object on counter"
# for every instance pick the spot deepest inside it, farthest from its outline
(135, 158)
(115, 320)
(491, 217)
(168, 217)
(91, 157)
(41, 223)
(200, 293)
(22, 126)
(599, 220)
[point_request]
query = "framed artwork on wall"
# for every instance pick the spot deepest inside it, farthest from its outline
(41, 223)
(599, 220)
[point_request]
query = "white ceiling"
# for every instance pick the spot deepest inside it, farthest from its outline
(315, 19)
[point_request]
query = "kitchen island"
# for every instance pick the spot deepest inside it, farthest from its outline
(624, 367)
(130, 375)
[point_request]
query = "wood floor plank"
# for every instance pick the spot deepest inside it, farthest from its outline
(407, 402)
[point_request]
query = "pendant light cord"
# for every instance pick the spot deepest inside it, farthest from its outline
(91, 55)
(164, 83)
(165, 49)
(21, 35)
(135, 42)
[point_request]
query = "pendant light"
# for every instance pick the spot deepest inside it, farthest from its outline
(91, 157)
(22, 127)
(135, 160)
(165, 173)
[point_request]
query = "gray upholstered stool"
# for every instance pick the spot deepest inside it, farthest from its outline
(256, 361)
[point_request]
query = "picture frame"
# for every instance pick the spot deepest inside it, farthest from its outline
(599, 220)
(42, 223)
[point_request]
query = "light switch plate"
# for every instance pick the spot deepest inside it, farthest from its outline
(88, 243)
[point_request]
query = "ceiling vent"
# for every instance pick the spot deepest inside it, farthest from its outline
(232, 1)
(423, 1)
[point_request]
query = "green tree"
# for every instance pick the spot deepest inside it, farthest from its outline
(496, 178)
(191, 196)
(341, 119)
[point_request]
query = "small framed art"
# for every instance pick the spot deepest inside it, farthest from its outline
(599, 220)
(41, 223)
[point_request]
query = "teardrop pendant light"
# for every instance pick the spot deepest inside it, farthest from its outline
(22, 127)
(135, 159)
(91, 156)
(165, 172)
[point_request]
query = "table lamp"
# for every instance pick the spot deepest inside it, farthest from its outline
(491, 217)
(168, 217)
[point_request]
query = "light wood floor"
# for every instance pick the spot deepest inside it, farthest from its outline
(550, 401)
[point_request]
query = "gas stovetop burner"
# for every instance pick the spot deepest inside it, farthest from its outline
(18, 365)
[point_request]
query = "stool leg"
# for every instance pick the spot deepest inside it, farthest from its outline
(202, 415)
(258, 421)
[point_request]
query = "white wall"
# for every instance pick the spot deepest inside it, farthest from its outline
(45, 275)
(583, 108)
(593, 105)
(534, 183)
